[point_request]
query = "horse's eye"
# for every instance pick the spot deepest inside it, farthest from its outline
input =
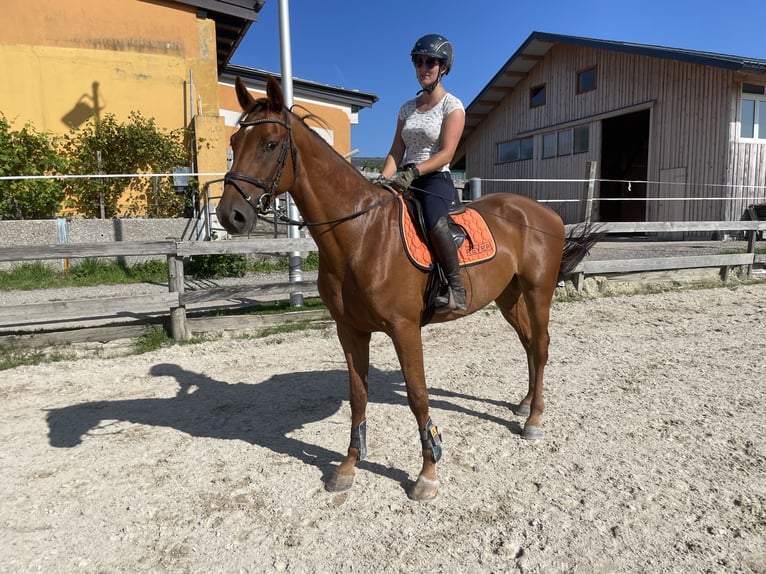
(270, 146)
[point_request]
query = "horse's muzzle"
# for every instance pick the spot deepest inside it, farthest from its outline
(234, 220)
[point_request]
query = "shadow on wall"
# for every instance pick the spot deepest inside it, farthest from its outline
(86, 107)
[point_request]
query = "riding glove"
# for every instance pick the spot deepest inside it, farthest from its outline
(403, 180)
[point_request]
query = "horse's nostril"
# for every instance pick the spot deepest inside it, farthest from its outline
(238, 216)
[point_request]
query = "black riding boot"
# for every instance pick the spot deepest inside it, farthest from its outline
(443, 246)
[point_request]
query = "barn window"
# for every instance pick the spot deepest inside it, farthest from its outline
(549, 145)
(527, 148)
(586, 80)
(537, 96)
(515, 150)
(581, 139)
(565, 142)
(752, 112)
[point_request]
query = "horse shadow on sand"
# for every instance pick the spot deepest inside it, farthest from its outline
(264, 413)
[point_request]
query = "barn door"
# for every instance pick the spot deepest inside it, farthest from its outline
(670, 206)
(624, 159)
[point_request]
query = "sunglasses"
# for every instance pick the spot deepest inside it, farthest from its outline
(427, 62)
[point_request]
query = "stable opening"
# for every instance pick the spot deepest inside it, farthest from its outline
(624, 159)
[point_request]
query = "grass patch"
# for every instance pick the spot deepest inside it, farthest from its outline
(153, 339)
(38, 275)
(13, 356)
(97, 271)
(30, 276)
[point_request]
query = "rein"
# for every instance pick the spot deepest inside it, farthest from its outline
(301, 224)
(263, 205)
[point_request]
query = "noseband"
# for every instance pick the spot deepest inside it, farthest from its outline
(269, 190)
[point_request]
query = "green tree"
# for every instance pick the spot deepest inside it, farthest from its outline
(27, 152)
(137, 146)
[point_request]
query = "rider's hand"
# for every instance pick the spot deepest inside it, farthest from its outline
(403, 180)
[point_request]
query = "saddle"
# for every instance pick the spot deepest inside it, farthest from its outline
(473, 238)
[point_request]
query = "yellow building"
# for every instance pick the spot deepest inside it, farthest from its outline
(70, 60)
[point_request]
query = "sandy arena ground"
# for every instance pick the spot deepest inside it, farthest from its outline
(211, 457)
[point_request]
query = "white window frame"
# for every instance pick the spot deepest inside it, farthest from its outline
(758, 121)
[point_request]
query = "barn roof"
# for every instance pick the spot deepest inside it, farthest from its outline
(539, 43)
(308, 89)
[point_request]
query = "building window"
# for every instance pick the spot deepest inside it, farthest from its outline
(549, 145)
(565, 142)
(752, 112)
(581, 139)
(537, 96)
(515, 150)
(586, 80)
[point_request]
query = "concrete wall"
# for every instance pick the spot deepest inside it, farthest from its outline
(59, 231)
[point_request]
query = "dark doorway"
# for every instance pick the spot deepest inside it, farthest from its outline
(624, 157)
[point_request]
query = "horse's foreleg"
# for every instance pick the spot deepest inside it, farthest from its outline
(356, 347)
(409, 348)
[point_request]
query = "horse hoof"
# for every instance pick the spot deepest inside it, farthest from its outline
(424, 490)
(532, 432)
(339, 482)
(522, 411)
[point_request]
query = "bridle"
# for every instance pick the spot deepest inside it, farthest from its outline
(263, 206)
(234, 177)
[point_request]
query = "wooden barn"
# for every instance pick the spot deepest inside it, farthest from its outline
(677, 135)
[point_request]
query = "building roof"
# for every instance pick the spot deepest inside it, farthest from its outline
(232, 20)
(539, 43)
(307, 89)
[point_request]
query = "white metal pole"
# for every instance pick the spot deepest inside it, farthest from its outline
(286, 59)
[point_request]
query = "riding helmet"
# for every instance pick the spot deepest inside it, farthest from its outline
(435, 46)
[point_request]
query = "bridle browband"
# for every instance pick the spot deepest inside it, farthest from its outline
(270, 190)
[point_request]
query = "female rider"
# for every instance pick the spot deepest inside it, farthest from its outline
(427, 133)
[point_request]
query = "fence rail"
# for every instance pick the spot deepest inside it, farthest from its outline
(156, 307)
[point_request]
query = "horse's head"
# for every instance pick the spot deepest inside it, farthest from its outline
(264, 159)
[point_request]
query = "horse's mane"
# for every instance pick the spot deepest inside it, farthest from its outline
(308, 116)
(262, 104)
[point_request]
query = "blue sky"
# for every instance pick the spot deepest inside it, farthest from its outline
(365, 45)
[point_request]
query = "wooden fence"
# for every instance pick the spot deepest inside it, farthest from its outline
(173, 304)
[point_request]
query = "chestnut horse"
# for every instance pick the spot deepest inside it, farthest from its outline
(365, 278)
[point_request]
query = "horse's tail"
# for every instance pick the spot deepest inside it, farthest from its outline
(577, 246)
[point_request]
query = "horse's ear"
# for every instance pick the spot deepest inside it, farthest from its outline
(243, 96)
(274, 94)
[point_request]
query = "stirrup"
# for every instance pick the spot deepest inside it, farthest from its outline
(442, 297)
(447, 302)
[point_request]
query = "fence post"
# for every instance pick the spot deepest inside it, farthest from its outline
(751, 238)
(586, 213)
(473, 186)
(588, 190)
(176, 285)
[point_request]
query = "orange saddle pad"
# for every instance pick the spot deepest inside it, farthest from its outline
(479, 245)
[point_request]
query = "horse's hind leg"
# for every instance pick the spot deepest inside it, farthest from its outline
(533, 334)
(356, 348)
